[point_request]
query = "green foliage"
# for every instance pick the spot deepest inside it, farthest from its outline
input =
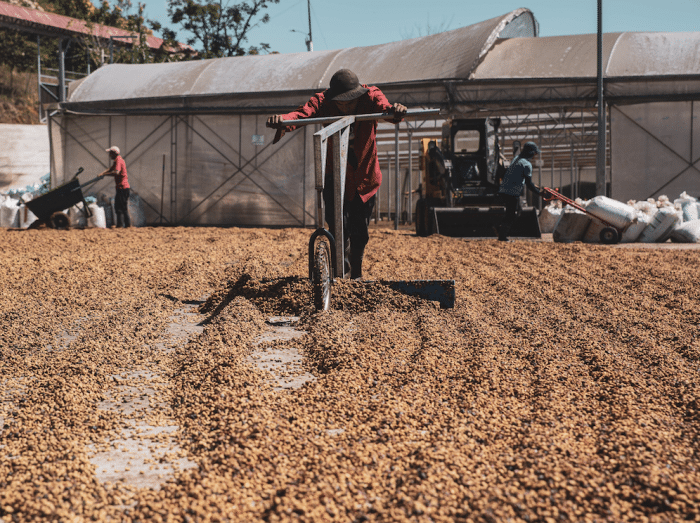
(218, 27)
(17, 51)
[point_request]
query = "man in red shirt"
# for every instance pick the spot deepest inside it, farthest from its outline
(345, 97)
(121, 179)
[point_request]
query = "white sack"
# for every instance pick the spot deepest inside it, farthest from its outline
(98, 218)
(571, 227)
(688, 232)
(679, 221)
(9, 213)
(632, 233)
(691, 211)
(77, 217)
(616, 213)
(647, 207)
(661, 225)
(549, 218)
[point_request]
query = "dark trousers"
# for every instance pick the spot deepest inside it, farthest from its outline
(356, 217)
(513, 210)
(121, 207)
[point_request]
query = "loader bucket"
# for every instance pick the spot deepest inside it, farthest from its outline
(480, 222)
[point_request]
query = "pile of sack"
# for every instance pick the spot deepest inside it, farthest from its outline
(650, 221)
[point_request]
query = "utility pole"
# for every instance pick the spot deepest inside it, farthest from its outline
(600, 178)
(309, 42)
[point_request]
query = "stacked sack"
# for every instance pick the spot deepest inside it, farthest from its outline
(650, 221)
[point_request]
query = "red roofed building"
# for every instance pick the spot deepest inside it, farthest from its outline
(42, 23)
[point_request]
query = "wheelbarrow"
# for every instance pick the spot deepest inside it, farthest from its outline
(326, 253)
(49, 207)
(609, 235)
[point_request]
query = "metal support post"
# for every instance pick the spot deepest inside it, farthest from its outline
(62, 70)
(409, 199)
(397, 178)
(600, 185)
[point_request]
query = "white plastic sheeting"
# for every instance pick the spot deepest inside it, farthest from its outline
(213, 174)
(656, 149)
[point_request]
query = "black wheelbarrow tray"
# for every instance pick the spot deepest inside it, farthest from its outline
(49, 207)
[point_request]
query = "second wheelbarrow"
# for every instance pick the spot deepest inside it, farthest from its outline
(49, 207)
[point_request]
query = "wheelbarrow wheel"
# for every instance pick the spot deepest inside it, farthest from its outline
(609, 236)
(321, 276)
(60, 221)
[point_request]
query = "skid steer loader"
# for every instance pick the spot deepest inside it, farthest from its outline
(460, 178)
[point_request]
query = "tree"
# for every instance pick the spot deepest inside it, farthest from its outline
(17, 52)
(219, 28)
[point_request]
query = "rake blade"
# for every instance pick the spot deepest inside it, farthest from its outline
(442, 291)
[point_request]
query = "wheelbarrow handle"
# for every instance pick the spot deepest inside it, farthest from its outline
(90, 182)
(80, 170)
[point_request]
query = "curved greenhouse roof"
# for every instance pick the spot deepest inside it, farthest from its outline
(448, 55)
(494, 63)
(575, 56)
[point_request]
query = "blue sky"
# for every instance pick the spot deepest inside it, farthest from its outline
(338, 24)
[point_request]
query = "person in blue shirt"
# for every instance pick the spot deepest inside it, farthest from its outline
(518, 175)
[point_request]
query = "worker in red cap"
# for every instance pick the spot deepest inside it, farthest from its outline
(121, 180)
(347, 96)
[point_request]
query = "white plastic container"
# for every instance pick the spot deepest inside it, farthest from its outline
(571, 227)
(632, 233)
(687, 232)
(98, 218)
(9, 213)
(662, 224)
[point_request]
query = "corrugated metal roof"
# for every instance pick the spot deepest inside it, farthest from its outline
(51, 22)
(449, 55)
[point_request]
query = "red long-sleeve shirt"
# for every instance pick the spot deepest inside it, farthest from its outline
(366, 178)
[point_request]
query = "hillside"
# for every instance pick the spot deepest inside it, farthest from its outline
(18, 97)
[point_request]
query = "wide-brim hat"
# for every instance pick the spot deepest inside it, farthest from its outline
(345, 86)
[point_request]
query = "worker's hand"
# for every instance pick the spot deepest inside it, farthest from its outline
(399, 111)
(274, 121)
